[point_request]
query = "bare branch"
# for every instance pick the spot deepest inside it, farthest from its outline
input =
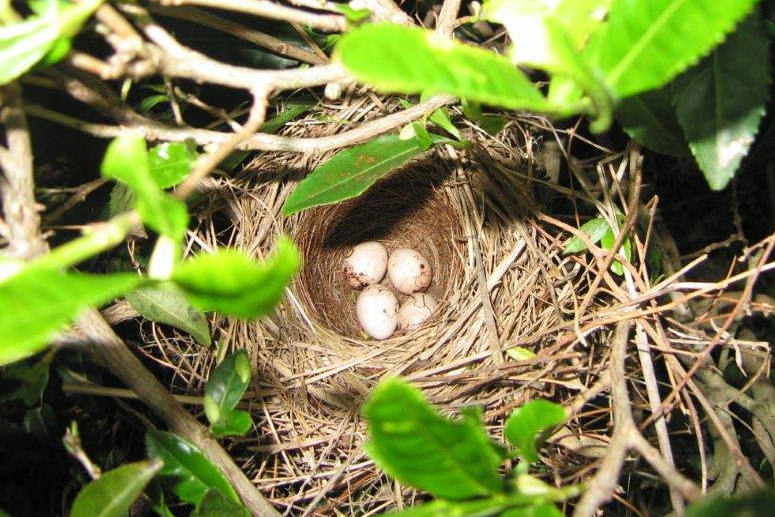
(18, 184)
(258, 142)
(272, 10)
(445, 24)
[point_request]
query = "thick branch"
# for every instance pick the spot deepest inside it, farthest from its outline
(18, 182)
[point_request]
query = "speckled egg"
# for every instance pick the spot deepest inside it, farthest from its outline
(415, 310)
(409, 271)
(376, 309)
(366, 264)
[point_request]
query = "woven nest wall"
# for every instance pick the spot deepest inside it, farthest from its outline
(499, 275)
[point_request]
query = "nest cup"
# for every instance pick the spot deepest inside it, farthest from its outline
(410, 209)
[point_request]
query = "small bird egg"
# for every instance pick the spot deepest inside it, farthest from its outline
(366, 264)
(376, 309)
(409, 272)
(415, 310)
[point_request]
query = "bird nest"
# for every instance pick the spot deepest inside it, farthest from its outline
(500, 337)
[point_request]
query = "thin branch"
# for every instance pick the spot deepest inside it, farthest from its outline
(259, 142)
(445, 24)
(111, 351)
(272, 10)
(18, 183)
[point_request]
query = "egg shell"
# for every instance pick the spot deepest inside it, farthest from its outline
(376, 309)
(415, 310)
(409, 271)
(366, 264)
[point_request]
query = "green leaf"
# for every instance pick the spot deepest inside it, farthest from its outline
(232, 422)
(721, 101)
(191, 473)
(165, 303)
(451, 459)
(214, 504)
(607, 242)
(33, 378)
(126, 159)
(440, 117)
(113, 493)
(122, 199)
(351, 172)
(645, 43)
(229, 380)
(148, 103)
(353, 15)
(394, 58)
(594, 228)
(36, 303)
(23, 44)
(441, 508)
(537, 510)
(292, 110)
(171, 162)
(649, 118)
(230, 282)
(526, 424)
(759, 504)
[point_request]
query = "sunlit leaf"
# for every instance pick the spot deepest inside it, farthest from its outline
(526, 424)
(37, 303)
(171, 162)
(595, 230)
(230, 282)
(409, 440)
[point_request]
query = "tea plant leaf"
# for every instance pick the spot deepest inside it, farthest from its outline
(525, 425)
(607, 243)
(292, 110)
(721, 101)
(215, 504)
(24, 44)
(232, 422)
(441, 508)
(126, 159)
(230, 282)
(394, 58)
(645, 43)
(36, 303)
(165, 303)
(594, 228)
(440, 117)
(351, 172)
(451, 459)
(229, 380)
(171, 162)
(649, 118)
(536, 510)
(190, 472)
(113, 493)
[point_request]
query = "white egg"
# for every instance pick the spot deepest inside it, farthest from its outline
(376, 309)
(415, 310)
(409, 272)
(366, 264)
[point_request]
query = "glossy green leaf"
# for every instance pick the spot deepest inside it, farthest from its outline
(595, 230)
(113, 493)
(24, 44)
(230, 282)
(412, 442)
(171, 162)
(229, 380)
(649, 118)
(165, 303)
(232, 422)
(645, 43)
(758, 504)
(33, 379)
(36, 303)
(394, 58)
(440, 117)
(215, 504)
(190, 472)
(721, 101)
(126, 159)
(526, 424)
(351, 172)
